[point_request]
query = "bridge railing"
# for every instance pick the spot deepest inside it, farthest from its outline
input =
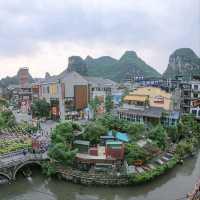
(20, 158)
(14, 153)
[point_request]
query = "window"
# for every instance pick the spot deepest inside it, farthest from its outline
(195, 87)
(199, 113)
(194, 112)
(195, 95)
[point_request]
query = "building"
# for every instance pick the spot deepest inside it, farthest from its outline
(67, 94)
(148, 105)
(23, 75)
(195, 98)
(190, 97)
(153, 96)
(21, 96)
(99, 87)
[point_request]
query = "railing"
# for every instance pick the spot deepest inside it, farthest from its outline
(12, 159)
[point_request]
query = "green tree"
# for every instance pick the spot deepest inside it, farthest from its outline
(7, 119)
(158, 135)
(109, 103)
(63, 133)
(173, 133)
(135, 130)
(3, 103)
(188, 127)
(134, 152)
(61, 148)
(112, 123)
(184, 148)
(93, 131)
(94, 103)
(40, 108)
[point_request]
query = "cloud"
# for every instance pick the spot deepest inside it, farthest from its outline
(153, 28)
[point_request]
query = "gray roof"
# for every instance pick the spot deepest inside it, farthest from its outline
(147, 112)
(82, 142)
(54, 79)
(99, 81)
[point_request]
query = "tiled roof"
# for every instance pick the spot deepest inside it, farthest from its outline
(99, 81)
(154, 112)
(141, 98)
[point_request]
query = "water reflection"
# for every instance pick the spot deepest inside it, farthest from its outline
(170, 186)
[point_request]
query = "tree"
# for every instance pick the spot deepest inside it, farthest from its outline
(93, 131)
(112, 123)
(63, 133)
(3, 103)
(188, 126)
(61, 148)
(109, 103)
(7, 119)
(173, 133)
(40, 108)
(135, 130)
(158, 134)
(184, 148)
(134, 152)
(94, 103)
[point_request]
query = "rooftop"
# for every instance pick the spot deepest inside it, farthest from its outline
(141, 98)
(153, 112)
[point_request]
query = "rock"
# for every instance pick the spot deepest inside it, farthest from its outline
(182, 62)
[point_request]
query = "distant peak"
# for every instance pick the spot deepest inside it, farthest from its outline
(129, 53)
(184, 52)
(89, 58)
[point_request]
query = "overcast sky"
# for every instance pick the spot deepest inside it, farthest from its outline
(42, 34)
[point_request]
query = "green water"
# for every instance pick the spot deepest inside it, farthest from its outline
(173, 185)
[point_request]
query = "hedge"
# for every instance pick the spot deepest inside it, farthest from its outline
(151, 174)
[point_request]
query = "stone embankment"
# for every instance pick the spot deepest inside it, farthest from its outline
(76, 176)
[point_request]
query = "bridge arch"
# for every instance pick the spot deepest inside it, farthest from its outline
(24, 164)
(5, 175)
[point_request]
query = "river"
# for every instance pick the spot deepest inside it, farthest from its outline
(173, 185)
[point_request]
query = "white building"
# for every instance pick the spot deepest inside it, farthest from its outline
(99, 87)
(195, 98)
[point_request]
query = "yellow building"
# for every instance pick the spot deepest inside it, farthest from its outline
(53, 89)
(152, 96)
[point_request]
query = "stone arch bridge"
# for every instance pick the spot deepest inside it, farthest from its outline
(10, 164)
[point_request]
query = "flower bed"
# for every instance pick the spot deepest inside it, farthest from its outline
(11, 146)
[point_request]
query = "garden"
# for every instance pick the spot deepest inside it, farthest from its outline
(156, 141)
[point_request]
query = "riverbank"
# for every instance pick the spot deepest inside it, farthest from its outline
(172, 185)
(105, 179)
(102, 179)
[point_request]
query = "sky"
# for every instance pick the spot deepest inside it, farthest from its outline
(42, 34)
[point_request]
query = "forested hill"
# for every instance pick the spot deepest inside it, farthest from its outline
(107, 67)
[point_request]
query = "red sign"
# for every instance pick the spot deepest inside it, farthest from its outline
(196, 102)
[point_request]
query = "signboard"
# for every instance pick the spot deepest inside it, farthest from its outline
(196, 102)
(159, 99)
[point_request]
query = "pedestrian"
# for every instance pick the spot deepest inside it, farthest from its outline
(24, 152)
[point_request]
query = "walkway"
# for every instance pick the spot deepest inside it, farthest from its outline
(13, 159)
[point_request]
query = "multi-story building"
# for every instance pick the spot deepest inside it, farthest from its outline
(99, 87)
(69, 93)
(190, 97)
(195, 98)
(66, 93)
(23, 75)
(21, 96)
(148, 105)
